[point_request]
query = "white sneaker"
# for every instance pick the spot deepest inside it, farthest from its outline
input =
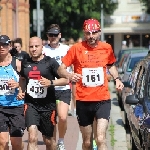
(61, 146)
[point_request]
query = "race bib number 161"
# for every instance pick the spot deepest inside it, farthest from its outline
(92, 77)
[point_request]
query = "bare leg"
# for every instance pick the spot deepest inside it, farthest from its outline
(32, 138)
(102, 125)
(4, 141)
(74, 95)
(86, 136)
(62, 109)
(17, 143)
(50, 143)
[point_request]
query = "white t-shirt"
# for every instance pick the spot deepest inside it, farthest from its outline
(58, 53)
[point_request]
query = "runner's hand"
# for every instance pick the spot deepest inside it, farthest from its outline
(75, 77)
(45, 82)
(13, 84)
(119, 85)
(20, 96)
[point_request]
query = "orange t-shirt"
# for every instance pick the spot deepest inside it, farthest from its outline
(91, 63)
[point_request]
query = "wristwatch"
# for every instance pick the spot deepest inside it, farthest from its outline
(117, 78)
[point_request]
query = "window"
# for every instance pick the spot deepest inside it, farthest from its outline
(133, 1)
(132, 63)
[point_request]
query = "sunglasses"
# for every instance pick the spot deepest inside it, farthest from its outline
(4, 44)
(52, 35)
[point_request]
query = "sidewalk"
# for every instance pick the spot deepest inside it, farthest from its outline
(116, 120)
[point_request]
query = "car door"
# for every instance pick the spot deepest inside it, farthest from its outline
(136, 111)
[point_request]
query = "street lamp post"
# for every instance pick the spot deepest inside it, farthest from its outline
(38, 18)
(102, 23)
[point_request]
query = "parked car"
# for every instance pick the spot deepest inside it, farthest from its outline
(129, 50)
(137, 105)
(131, 61)
(129, 64)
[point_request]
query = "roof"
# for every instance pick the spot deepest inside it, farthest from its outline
(138, 54)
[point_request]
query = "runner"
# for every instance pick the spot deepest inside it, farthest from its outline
(17, 49)
(90, 59)
(63, 93)
(39, 72)
(11, 110)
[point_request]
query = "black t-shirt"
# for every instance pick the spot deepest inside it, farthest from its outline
(47, 68)
(23, 55)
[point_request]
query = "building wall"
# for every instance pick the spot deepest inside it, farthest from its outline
(129, 19)
(15, 20)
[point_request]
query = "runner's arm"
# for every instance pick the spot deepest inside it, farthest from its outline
(62, 71)
(113, 71)
(22, 85)
(22, 80)
(61, 82)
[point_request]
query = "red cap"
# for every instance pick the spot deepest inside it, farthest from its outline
(91, 25)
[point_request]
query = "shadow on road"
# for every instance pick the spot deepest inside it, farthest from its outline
(39, 142)
(119, 122)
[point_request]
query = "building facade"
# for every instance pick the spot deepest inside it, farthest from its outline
(14, 20)
(129, 23)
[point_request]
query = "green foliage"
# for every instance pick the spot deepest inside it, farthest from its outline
(70, 14)
(147, 4)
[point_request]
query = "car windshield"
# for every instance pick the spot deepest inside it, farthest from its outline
(132, 62)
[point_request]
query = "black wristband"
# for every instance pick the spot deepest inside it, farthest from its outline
(117, 78)
(52, 83)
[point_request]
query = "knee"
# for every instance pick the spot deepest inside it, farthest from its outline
(63, 118)
(3, 142)
(101, 139)
(86, 143)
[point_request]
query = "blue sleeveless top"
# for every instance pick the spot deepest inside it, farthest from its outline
(7, 95)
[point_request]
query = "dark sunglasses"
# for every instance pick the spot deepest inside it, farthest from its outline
(4, 44)
(52, 35)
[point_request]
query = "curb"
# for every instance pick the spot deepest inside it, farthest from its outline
(116, 120)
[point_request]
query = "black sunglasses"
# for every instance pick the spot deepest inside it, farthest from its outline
(4, 44)
(52, 35)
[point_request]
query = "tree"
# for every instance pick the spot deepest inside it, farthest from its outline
(147, 5)
(70, 14)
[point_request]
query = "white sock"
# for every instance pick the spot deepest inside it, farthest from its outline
(61, 140)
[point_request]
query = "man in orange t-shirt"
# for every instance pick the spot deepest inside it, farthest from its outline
(90, 59)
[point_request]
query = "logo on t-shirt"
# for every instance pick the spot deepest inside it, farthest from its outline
(35, 74)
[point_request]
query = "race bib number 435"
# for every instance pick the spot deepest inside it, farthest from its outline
(35, 90)
(92, 77)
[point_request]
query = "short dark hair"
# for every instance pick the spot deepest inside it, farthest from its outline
(53, 26)
(18, 40)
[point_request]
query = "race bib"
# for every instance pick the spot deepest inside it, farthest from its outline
(92, 77)
(4, 88)
(36, 90)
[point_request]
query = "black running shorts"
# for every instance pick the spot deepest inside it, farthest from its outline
(63, 95)
(87, 111)
(12, 120)
(44, 120)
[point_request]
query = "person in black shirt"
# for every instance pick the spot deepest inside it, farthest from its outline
(17, 50)
(37, 81)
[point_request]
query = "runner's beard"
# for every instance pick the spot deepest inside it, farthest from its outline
(93, 41)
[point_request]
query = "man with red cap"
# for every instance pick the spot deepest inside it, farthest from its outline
(91, 58)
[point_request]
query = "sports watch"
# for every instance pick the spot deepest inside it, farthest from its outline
(117, 78)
